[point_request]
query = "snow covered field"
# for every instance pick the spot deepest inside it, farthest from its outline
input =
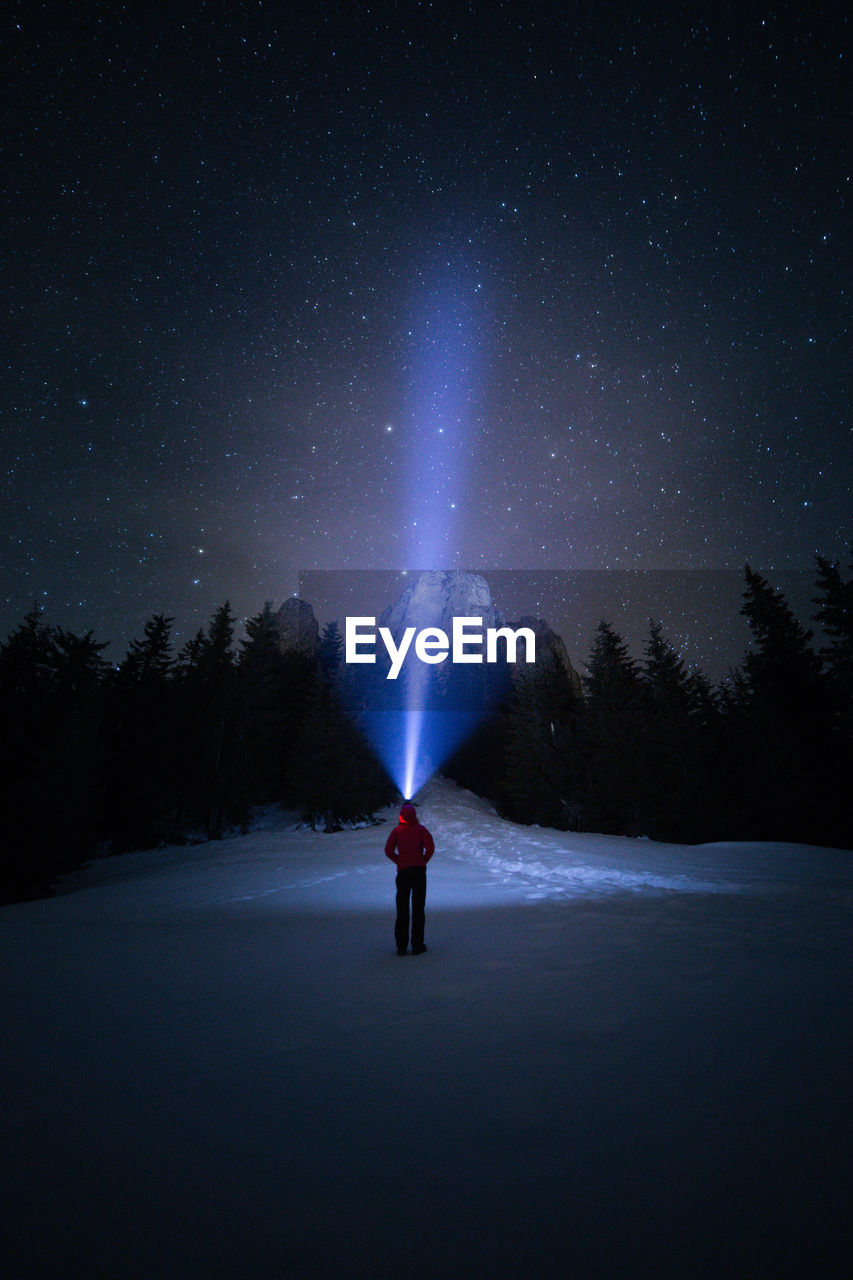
(617, 1059)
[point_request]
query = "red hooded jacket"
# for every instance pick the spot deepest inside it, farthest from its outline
(409, 844)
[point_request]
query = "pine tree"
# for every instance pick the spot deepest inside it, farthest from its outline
(27, 658)
(331, 652)
(334, 775)
(80, 667)
(834, 614)
(215, 791)
(782, 670)
(782, 650)
(664, 671)
(217, 654)
(144, 755)
(261, 708)
(190, 655)
(50, 753)
(539, 733)
(79, 720)
(675, 749)
(612, 799)
(27, 662)
(783, 716)
(150, 659)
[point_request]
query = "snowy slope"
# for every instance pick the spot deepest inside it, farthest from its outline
(618, 1058)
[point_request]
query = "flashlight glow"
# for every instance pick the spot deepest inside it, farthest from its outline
(423, 709)
(412, 781)
(443, 397)
(413, 743)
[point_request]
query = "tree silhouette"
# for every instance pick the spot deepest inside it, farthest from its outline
(674, 754)
(50, 753)
(334, 775)
(783, 714)
(834, 614)
(264, 677)
(613, 783)
(540, 755)
(213, 793)
(143, 756)
(331, 652)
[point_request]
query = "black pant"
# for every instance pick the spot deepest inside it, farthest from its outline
(410, 880)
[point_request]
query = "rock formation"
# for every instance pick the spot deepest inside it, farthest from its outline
(549, 644)
(436, 597)
(297, 626)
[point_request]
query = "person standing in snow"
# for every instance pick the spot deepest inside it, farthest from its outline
(410, 847)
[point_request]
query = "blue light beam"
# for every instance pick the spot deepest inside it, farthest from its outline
(447, 337)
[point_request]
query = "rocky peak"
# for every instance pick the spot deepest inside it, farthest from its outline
(549, 644)
(436, 597)
(297, 626)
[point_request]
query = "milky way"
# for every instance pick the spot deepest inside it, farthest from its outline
(323, 286)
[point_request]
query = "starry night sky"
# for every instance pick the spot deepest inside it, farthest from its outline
(358, 286)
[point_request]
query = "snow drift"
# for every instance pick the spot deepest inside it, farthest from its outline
(618, 1058)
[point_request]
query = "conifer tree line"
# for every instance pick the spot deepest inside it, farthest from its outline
(648, 747)
(164, 745)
